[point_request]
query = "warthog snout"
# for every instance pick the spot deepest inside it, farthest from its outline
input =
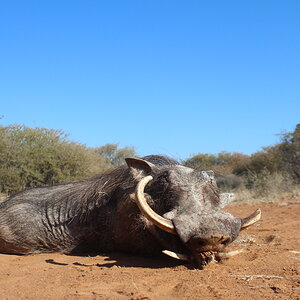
(214, 242)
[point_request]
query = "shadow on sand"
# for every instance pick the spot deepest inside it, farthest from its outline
(125, 260)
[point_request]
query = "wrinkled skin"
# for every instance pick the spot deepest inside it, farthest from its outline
(100, 215)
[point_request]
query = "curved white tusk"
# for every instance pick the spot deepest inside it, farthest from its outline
(223, 255)
(253, 218)
(148, 212)
(175, 255)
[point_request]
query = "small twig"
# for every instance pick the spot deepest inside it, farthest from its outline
(259, 286)
(251, 277)
(270, 286)
(133, 283)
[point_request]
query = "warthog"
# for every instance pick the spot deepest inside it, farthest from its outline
(149, 206)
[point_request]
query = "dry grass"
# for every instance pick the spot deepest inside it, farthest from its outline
(270, 195)
(275, 187)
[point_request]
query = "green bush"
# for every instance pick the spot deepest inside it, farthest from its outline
(32, 157)
(38, 156)
(114, 156)
(289, 153)
(223, 163)
(201, 161)
(273, 170)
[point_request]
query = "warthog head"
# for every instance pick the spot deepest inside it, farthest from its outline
(182, 208)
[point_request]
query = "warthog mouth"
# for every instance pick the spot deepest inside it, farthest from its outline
(201, 258)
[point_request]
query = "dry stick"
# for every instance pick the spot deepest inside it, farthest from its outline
(259, 286)
(251, 277)
(293, 251)
(270, 286)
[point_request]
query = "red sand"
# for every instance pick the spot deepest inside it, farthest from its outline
(268, 269)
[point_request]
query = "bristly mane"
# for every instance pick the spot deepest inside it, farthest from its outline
(100, 188)
(93, 192)
(80, 198)
(160, 160)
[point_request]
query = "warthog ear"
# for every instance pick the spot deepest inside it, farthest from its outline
(140, 165)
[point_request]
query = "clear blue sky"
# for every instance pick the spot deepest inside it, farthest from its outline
(168, 77)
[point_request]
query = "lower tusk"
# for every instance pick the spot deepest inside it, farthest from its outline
(253, 218)
(175, 255)
(223, 255)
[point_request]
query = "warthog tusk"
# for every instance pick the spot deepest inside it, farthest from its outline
(176, 255)
(253, 218)
(223, 255)
(148, 212)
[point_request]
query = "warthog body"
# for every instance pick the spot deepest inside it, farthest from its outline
(100, 214)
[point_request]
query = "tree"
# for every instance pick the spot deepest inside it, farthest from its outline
(38, 156)
(265, 161)
(114, 156)
(289, 152)
(201, 161)
(224, 162)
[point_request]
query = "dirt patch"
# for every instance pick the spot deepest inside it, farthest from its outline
(268, 269)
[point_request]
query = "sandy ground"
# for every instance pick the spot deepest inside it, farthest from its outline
(268, 269)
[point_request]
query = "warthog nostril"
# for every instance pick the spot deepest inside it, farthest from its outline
(221, 239)
(215, 240)
(225, 240)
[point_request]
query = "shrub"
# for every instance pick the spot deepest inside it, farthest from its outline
(289, 153)
(38, 156)
(114, 156)
(229, 182)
